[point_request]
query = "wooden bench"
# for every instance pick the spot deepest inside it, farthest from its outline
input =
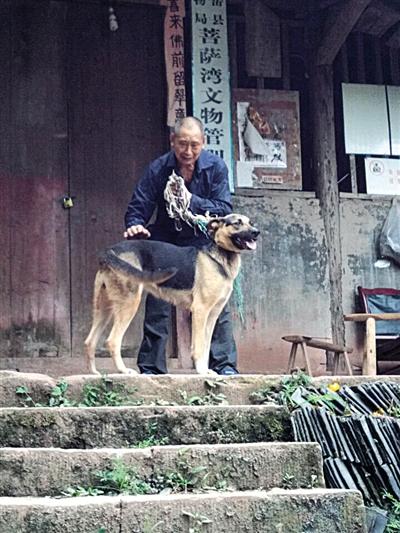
(328, 347)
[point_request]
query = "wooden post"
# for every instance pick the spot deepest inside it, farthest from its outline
(369, 361)
(285, 56)
(327, 188)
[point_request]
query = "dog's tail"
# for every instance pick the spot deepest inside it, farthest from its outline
(111, 260)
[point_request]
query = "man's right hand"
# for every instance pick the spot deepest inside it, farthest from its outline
(137, 232)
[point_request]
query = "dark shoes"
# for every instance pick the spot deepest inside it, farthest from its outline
(228, 371)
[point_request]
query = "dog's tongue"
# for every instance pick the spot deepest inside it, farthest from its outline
(251, 245)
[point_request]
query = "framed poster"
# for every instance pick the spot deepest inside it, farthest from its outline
(266, 130)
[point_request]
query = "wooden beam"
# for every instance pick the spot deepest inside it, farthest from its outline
(377, 19)
(394, 40)
(338, 25)
(285, 56)
(394, 66)
(262, 41)
(361, 76)
(378, 60)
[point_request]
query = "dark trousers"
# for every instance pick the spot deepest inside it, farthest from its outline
(152, 358)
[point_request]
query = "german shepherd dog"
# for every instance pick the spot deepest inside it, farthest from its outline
(200, 280)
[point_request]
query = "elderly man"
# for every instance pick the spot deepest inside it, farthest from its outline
(206, 180)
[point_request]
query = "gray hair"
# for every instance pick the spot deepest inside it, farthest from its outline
(188, 122)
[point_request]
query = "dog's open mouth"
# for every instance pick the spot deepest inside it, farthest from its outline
(244, 242)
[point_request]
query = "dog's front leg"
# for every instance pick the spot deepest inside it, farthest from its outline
(200, 352)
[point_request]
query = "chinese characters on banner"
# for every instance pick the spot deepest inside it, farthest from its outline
(175, 59)
(211, 90)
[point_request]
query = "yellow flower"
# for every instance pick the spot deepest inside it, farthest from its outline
(379, 412)
(334, 387)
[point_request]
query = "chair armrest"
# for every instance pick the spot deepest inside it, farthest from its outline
(362, 317)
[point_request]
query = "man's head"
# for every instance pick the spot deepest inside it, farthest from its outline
(187, 141)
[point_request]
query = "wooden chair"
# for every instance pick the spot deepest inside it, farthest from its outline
(381, 311)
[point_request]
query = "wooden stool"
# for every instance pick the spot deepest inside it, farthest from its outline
(303, 342)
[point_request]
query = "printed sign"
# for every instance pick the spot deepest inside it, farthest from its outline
(211, 89)
(382, 175)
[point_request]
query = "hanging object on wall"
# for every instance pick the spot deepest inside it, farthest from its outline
(210, 68)
(112, 19)
(175, 59)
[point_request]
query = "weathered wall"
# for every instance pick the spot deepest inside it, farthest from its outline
(285, 282)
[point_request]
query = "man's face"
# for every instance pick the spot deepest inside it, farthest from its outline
(187, 146)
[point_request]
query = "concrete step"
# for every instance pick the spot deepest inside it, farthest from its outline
(173, 388)
(277, 511)
(229, 466)
(119, 427)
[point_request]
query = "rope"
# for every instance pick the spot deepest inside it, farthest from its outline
(177, 200)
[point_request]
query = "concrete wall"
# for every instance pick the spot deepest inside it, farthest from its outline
(285, 282)
(362, 221)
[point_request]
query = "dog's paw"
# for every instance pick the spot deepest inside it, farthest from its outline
(131, 371)
(203, 369)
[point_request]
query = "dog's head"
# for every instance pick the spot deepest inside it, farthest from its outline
(234, 233)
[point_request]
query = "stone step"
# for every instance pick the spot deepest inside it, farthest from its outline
(120, 427)
(228, 466)
(173, 388)
(276, 511)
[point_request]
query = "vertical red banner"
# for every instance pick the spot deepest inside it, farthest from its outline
(175, 59)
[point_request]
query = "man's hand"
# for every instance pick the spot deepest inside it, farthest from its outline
(137, 232)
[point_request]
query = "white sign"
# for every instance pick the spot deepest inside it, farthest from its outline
(211, 88)
(382, 176)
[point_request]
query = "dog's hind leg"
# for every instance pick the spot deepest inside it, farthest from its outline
(200, 355)
(123, 312)
(101, 318)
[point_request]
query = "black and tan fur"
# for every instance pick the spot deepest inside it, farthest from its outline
(200, 280)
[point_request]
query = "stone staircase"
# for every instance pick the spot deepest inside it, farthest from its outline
(225, 464)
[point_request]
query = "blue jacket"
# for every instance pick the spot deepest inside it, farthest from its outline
(209, 188)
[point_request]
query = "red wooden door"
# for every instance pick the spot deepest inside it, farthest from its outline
(34, 266)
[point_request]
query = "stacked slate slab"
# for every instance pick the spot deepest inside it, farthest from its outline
(358, 435)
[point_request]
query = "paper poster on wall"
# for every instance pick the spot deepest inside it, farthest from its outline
(267, 139)
(382, 175)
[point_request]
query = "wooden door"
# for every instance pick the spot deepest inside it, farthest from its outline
(117, 117)
(34, 266)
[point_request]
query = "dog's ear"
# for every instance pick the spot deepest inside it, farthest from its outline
(213, 225)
